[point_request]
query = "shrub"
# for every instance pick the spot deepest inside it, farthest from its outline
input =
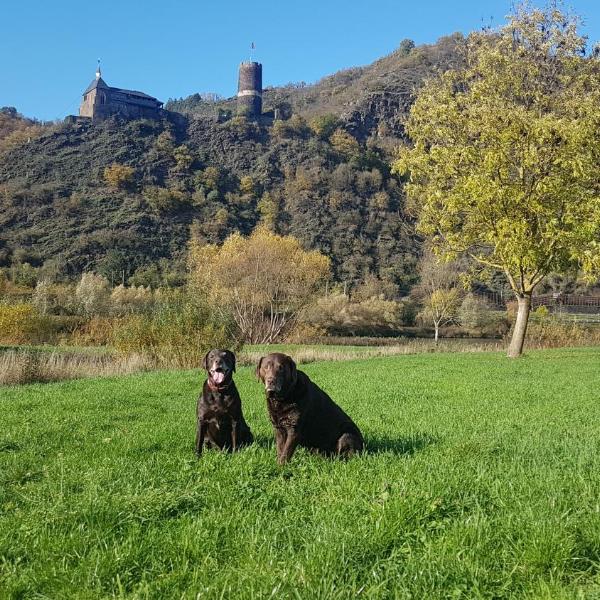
(406, 47)
(130, 300)
(165, 200)
(324, 125)
(474, 313)
(294, 127)
(374, 287)
(93, 294)
(344, 143)
(551, 332)
(42, 296)
(23, 324)
(211, 178)
(268, 208)
(337, 315)
(178, 333)
(247, 185)
(165, 143)
(96, 331)
(183, 158)
(304, 333)
(24, 274)
(119, 176)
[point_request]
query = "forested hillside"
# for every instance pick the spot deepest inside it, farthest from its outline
(124, 198)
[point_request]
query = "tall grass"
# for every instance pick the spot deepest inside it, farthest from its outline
(305, 354)
(42, 367)
(36, 366)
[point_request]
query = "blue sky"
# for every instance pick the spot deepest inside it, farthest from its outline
(174, 48)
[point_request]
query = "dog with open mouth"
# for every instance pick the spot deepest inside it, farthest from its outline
(221, 422)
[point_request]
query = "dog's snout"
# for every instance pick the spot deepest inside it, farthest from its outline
(271, 384)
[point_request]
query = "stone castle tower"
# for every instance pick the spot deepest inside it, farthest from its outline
(249, 97)
(101, 101)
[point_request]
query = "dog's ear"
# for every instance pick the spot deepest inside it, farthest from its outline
(231, 357)
(258, 367)
(205, 361)
(293, 370)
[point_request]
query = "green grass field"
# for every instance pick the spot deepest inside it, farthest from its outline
(481, 480)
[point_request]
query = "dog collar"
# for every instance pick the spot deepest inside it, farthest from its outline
(217, 388)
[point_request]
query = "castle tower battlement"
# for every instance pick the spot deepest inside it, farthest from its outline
(249, 96)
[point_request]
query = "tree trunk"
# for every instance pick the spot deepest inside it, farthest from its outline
(437, 333)
(518, 337)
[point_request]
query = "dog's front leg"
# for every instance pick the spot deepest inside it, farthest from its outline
(234, 434)
(289, 447)
(280, 437)
(200, 433)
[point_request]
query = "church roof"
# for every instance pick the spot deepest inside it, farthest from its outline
(97, 82)
(134, 93)
(100, 83)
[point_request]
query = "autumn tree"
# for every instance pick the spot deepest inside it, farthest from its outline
(247, 185)
(344, 143)
(92, 293)
(165, 143)
(263, 281)
(183, 158)
(165, 200)
(504, 162)
(474, 312)
(324, 125)
(268, 209)
(119, 176)
(438, 291)
(42, 296)
(211, 177)
(440, 308)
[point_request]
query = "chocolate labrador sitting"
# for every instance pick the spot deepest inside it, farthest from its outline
(302, 413)
(221, 423)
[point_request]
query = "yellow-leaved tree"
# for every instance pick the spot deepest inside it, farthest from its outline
(119, 176)
(262, 281)
(504, 165)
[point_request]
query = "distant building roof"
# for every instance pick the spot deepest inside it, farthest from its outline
(133, 93)
(97, 82)
(100, 83)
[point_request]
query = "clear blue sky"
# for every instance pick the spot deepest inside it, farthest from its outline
(174, 48)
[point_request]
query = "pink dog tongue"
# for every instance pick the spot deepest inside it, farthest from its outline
(218, 377)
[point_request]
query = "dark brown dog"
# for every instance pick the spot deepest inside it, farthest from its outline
(302, 413)
(221, 423)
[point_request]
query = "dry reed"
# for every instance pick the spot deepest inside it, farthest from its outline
(42, 367)
(310, 354)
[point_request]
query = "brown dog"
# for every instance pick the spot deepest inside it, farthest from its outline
(302, 413)
(221, 423)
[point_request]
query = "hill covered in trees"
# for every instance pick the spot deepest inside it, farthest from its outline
(123, 198)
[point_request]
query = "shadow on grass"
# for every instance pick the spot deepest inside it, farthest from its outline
(375, 444)
(264, 441)
(9, 446)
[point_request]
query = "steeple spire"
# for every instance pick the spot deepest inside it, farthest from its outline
(98, 71)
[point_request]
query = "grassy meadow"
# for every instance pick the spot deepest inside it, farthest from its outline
(481, 479)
